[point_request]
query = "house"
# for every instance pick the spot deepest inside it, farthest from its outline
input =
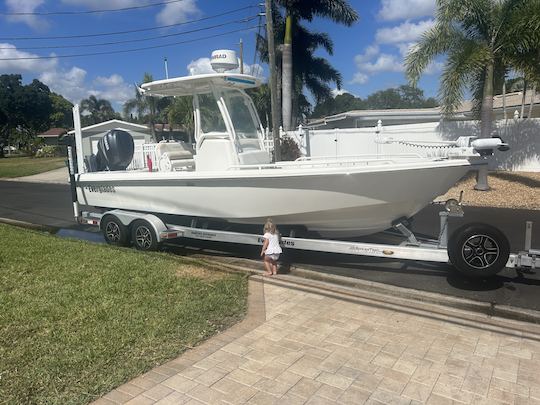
(369, 118)
(93, 133)
(53, 136)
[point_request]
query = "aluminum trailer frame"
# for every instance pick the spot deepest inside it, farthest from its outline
(411, 249)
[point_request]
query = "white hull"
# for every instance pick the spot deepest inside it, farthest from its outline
(331, 201)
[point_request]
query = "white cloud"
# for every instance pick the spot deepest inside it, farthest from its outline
(404, 9)
(26, 6)
(202, 66)
(19, 65)
(369, 53)
(112, 88)
(384, 63)
(171, 13)
(339, 92)
(179, 12)
(403, 33)
(359, 78)
(70, 83)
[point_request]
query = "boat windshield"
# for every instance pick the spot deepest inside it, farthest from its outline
(243, 119)
(211, 118)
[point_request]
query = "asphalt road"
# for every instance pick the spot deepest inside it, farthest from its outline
(50, 204)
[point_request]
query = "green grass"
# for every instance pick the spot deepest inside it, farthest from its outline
(26, 166)
(79, 319)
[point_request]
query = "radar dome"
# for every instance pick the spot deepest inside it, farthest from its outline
(223, 60)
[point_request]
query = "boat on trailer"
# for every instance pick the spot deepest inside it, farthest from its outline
(231, 176)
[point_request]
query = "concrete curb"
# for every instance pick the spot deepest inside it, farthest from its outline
(386, 293)
(29, 225)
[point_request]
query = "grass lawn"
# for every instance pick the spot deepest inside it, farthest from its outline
(26, 166)
(78, 319)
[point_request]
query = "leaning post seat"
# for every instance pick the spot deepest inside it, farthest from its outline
(173, 156)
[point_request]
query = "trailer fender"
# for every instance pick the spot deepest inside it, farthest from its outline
(127, 218)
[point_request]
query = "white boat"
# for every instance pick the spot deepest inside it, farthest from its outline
(231, 177)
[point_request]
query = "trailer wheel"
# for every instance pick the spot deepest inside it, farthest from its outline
(143, 236)
(114, 231)
(478, 250)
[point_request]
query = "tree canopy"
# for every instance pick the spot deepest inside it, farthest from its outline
(482, 41)
(25, 110)
(401, 97)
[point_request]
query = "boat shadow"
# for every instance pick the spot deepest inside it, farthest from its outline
(433, 277)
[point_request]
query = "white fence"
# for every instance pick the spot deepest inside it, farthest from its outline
(140, 155)
(523, 136)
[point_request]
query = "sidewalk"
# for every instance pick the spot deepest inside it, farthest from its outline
(299, 347)
(56, 176)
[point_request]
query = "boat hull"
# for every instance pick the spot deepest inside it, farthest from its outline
(332, 203)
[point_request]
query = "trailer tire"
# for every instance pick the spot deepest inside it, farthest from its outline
(114, 231)
(478, 250)
(143, 236)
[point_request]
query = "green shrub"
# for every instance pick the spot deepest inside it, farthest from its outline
(48, 151)
(289, 149)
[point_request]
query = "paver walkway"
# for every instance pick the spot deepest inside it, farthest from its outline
(317, 349)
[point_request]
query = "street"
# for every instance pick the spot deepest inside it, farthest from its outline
(50, 204)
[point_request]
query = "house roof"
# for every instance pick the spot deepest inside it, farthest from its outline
(513, 100)
(53, 133)
(112, 124)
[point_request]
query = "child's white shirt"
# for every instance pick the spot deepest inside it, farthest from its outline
(273, 243)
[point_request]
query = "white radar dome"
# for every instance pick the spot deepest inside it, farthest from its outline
(223, 60)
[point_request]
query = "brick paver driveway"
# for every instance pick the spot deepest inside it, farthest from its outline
(314, 349)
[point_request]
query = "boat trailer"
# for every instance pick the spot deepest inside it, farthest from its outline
(475, 250)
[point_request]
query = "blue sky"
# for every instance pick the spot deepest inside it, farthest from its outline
(369, 54)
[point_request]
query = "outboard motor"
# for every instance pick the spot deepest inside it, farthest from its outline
(115, 150)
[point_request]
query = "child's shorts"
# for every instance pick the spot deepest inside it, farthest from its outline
(273, 256)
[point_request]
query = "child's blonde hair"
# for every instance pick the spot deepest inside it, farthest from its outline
(269, 226)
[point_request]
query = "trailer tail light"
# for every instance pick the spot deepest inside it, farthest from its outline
(170, 234)
(91, 221)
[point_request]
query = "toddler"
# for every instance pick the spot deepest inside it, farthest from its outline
(271, 249)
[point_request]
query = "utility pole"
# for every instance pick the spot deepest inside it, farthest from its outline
(166, 68)
(241, 56)
(273, 79)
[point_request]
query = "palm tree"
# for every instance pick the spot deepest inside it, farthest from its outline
(180, 113)
(480, 38)
(97, 109)
(313, 72)
(143, 106)
(338, 11)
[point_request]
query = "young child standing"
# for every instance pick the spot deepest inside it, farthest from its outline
(271, 249)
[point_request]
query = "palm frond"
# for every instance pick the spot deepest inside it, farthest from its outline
(462, 64)
(435, 41)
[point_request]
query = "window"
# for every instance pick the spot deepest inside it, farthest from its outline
(211, 118)
(245, 125)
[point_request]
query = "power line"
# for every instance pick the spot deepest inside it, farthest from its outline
(130, 50)
(246, 19)
(127, 31)
(109, 10)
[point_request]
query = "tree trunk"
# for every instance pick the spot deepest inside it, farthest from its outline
(287, 76)
(273, 81)
(486, 117)
(533, 94)
(525, 84)
(486, 113)
(505, 115)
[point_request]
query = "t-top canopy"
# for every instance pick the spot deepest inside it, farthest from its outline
(199, 84)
